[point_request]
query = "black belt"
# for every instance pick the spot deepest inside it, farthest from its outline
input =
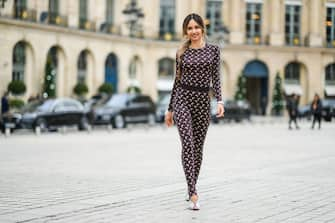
(194, 88)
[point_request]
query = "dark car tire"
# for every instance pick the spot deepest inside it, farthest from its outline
(42, 124)
(328, 118)
(84, 124)
(118, 122)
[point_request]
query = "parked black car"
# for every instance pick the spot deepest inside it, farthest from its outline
(54, 113)
(122, 109)
(328, 110)
(95, 101)
(162, 106)
(10, 121)
(234, 110)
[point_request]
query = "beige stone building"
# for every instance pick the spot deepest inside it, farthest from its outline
(90, 42)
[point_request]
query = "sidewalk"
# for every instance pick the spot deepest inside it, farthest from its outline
(250, 173)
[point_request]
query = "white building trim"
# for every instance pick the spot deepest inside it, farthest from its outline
(254, 1)
(330, 90)
(330, 4)
(292, 88)
(293, 2)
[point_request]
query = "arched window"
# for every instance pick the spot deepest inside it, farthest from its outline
(19, 61)
(82, 67)
(292, 73)
(166, 68)
(330, 74)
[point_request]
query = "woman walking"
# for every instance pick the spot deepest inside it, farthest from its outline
(316, 108)
(197, 65)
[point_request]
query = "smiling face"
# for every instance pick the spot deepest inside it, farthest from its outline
(194, 31)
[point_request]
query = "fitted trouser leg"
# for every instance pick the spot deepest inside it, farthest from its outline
(200, 127)
(183, 120)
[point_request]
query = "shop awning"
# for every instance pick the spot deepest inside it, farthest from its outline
(292, 88)
(330, 90)
(255, 69)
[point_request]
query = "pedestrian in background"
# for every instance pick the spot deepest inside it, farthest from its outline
(316, 108)
(197, 65)
(4, 103)
(292, 108)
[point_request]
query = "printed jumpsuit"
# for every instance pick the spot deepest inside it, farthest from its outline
(190, 103)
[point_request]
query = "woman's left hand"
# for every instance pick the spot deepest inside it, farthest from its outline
(220, 111)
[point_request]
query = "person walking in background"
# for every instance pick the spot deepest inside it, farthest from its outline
(197, 65)
(4, 103)
(316, 108)
(292, 108)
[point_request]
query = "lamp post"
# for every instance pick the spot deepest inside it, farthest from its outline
(134, 15)
(219, 37)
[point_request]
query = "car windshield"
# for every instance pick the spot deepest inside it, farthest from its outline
(45, 106)
(328, 102)
(118, 100)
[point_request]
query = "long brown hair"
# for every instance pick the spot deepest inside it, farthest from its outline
(187, 42)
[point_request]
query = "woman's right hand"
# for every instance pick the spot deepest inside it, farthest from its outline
(168, 119)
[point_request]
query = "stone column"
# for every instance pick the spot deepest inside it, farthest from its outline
(97, 12)
(276, 30)
(314, 37)
(73, 13)
(151, 18)
(237, 16)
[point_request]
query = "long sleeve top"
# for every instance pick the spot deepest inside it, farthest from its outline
(199, 68)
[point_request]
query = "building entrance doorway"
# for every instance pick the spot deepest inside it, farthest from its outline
(256, 73)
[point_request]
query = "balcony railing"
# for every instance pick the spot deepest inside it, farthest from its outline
(26, 14)
(167, 36)
(86, 24)
(110, 28)
(54, 19)
(330, 44)
(295, 41)
(254, 40)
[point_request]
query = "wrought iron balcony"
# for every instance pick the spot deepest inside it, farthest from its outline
(25, 14)
(54, 18)
(110, 28)
(86, 24)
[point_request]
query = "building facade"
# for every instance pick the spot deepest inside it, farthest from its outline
(86, 41)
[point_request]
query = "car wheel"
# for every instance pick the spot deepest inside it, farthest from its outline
(119, 122)
(151, 119)
(84, 124)
(41, 125)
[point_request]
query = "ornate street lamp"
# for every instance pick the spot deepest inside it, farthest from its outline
(220, 36)
(3, 3)
(134, 15)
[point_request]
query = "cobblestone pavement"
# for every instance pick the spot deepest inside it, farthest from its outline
(251, 173)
